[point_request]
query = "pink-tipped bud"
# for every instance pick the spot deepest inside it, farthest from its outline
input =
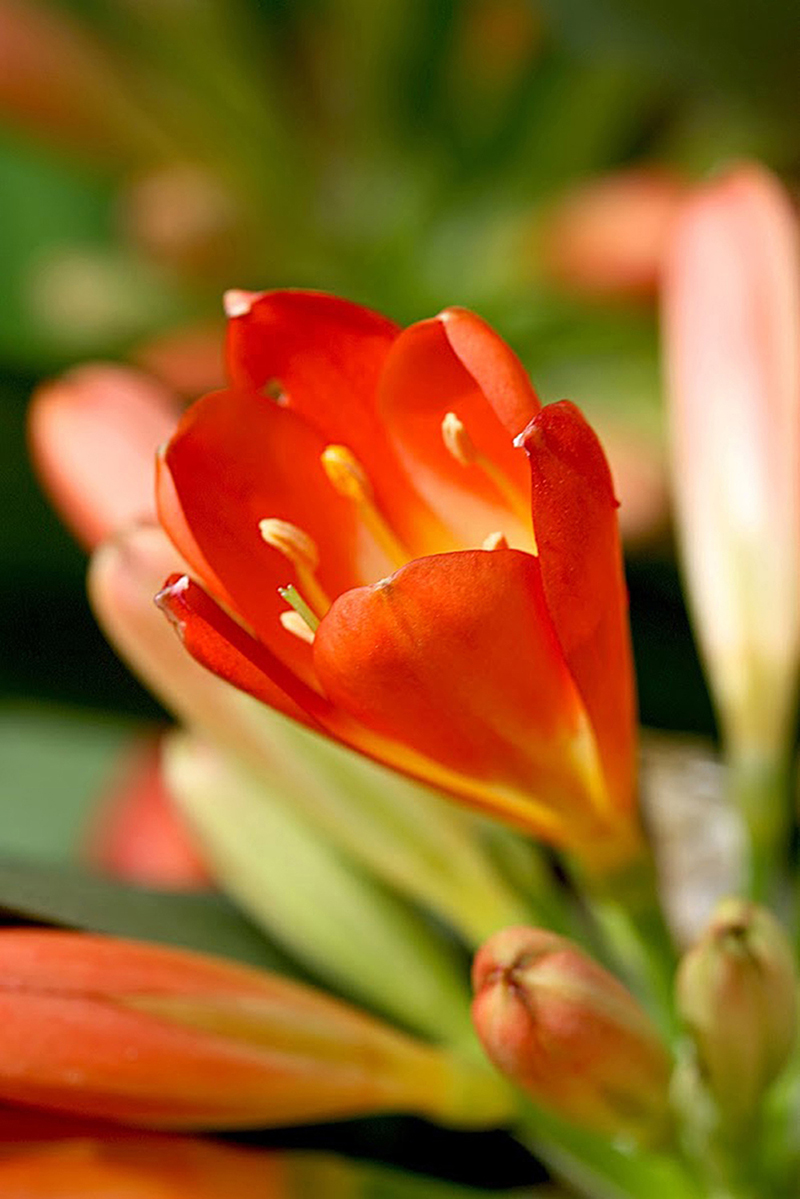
(570, 1035)
(737, 993)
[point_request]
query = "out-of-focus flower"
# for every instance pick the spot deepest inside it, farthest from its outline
(568, 1033)
(732, 328)
(609, 237)
(115, 417)
(60, 81)
(137, 833)
(163, 1038)
(737, 993)
(144, 1167)
(345, 449)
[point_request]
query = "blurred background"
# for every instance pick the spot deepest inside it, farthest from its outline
(518, 157)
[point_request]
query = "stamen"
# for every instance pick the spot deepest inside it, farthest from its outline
(495, 541)
(350, 480)
(294, 623)
(457, 440)
(301, 550)
(299, 607)
(463, 449)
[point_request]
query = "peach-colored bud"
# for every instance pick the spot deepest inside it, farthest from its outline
(164, 1038)
(732, 342)
(94, 433)
(737, 992)
(570, 1035)
(608, 237)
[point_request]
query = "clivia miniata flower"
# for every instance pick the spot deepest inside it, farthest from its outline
(398, 546)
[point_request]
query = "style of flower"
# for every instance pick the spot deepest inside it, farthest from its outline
(380, 562)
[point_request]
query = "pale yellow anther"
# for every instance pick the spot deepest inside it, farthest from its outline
(495, 541)
(293, 623)
(457, 440)
(294, 543)
(346, 473)
(301, 550)
(350, 480)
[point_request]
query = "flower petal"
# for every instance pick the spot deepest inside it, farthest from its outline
(221, 645)
(455, 659)
(323, 357)
(94, 434)
(237, 459)
(454, 363)
(575, 521)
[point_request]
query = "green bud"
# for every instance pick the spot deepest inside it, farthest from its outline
(737, 993)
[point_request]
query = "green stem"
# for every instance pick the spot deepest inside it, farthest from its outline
(627, 908)
(759, 787)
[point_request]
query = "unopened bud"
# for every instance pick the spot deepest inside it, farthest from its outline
(737, 993)
(571, 1035)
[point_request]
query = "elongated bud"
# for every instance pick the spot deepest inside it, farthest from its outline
(163, 1038)
(568, 1033)
(737, 992)
(731, 308)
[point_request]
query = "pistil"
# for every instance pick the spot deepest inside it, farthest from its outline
(301, 550)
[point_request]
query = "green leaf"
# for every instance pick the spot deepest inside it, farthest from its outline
(67, 897)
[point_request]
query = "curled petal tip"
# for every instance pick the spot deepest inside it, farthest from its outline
(237, 302)
(168, 599)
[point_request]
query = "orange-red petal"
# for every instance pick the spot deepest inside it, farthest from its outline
(221, 645)
(575, 520)
(455, 363)
(323, 357)
(454, 658)
(237, 459)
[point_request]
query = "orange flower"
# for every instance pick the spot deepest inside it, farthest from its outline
(346, 449)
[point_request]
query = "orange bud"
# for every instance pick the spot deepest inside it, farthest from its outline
(137, 1167)
(145, 1035)
(570, 1035)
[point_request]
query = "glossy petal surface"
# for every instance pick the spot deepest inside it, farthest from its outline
(237, 459)
(323, 356)
(574, 515)
(455, 657)
(424, 378)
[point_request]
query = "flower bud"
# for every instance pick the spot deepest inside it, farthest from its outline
(162, 1038)
(571, 1035)
(737, 993)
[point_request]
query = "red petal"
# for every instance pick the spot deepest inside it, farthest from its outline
(236, 459)
(455, 658)
(324, 357)
(494, 366)
(424, 378)
(575, 520)
(223, 647)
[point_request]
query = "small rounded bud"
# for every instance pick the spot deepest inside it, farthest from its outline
(571, 1035)
(737, 993)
